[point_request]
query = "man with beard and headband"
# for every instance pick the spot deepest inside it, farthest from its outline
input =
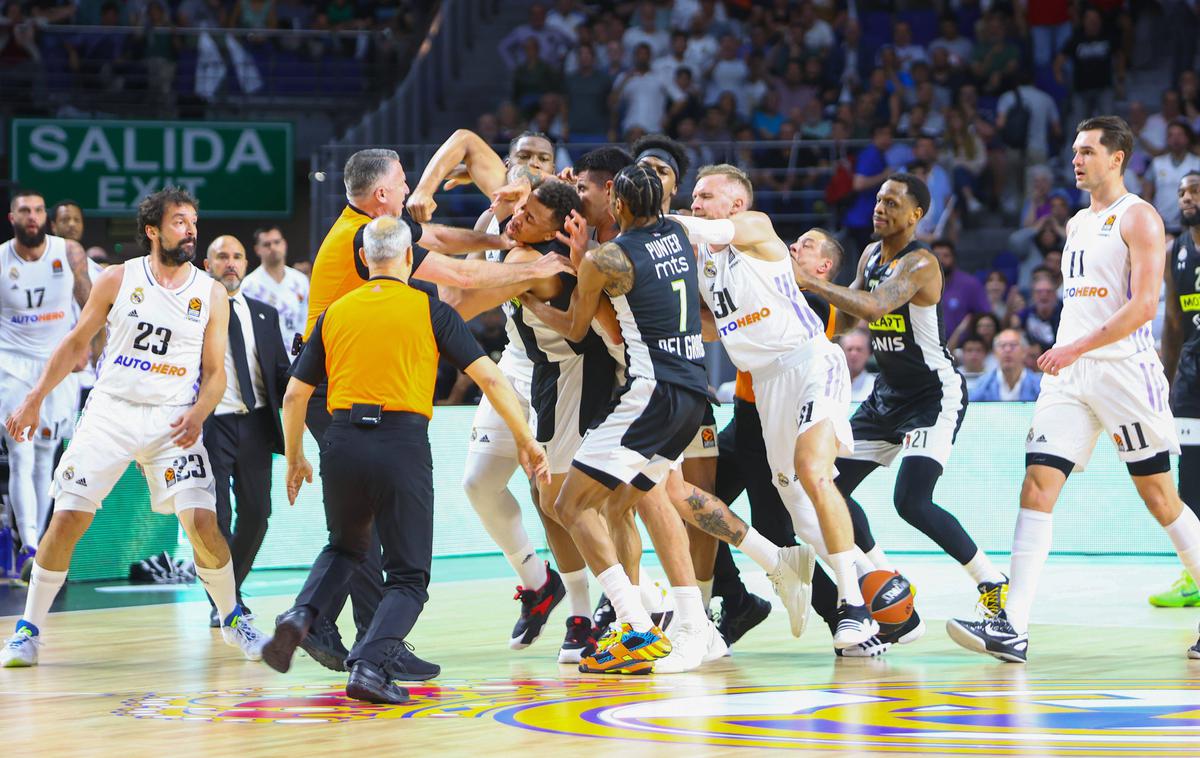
(244, 430)
(163, 374)
(46, 278)
(1181, 363)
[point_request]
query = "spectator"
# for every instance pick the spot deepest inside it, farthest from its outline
(985, 326)
(817, 34)
(995, 60)
(641, 95)
(1189, 97)
(972, 361)
(158, 50)
(1049, 23)
(906, 52)
(686, 13)
(98, 58)
(751, 93)
(851, 60)
(255, 14)
(767, 119)
(533, 77)
(857, 347)
(509, 119)
(1002, 297)
(685, 103)
(1040, 320)
(1048, 233)
(587, 98)
(813, 123)
(1042, 114)
(945, 78)
(203, 14)
(727, 72)
(552, 43)
(793, 89)
(1167, 170)
(870, 171)
(1154, 134)
(1038, 183)
(941, 187)
(675, 59)
(1010, 380)
(967, 157)
(566, 18)
(646, 32)
(1097, 66)
(702, 45)
(962, 294)
(958, 49)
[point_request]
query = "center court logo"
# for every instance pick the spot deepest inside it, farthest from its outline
(1045, 718)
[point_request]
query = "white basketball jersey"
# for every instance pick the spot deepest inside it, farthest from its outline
(289, 297)
(1096, 270)
(35, 300)
(155, 338)
(514, 361)
(760, 312)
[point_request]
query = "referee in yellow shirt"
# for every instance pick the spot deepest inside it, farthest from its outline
(378, 348)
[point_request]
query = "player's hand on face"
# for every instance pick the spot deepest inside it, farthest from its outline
(299, 471)
(24, 419)
(1057, 358)
(421, 206)
(511, 194)
(567, 175)
(185, 430)
(552, 265)
(575, 234)
(458, 177)
(532, 457)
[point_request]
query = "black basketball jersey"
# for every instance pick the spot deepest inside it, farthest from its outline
(1185, 268)
(660, 315)
(542, 344)
(909, 343)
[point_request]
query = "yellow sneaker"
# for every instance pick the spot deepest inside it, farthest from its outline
(624, 651)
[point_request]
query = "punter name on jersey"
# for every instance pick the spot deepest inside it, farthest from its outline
(671, 261)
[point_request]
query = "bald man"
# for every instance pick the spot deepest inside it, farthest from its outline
(245, 429)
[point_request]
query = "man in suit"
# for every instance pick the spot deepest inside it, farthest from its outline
(245, 429)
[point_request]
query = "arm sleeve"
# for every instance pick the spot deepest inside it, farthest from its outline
(709, 231)
(310, 366)
(454, 340)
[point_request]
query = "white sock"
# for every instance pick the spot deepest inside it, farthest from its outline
(1031, 548)
(862, 564)
(761, 550)
(579, 601)
(220, 585)
(879, 559)
(1185, 536)
(982, 569)
(44, 585)
(531, 569)
(847, 578)
(689, 605)
(624, 598)
(706, 586)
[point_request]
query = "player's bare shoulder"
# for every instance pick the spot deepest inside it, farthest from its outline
(612, 261)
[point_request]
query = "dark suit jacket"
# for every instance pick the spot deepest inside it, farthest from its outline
(272, 360)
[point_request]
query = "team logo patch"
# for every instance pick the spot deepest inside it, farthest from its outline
(892, 322)
(1029, 437)
(708, 438)
(1108, 223)
(710, 269)
(1119, 442)
(68, 473)
(169, 477)
(13, 273)
(474, 434)
(56, 267)
(193, 313)
(782, 479)
(137, 296)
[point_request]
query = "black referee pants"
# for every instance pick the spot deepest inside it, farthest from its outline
(365, 588)
(376, 480)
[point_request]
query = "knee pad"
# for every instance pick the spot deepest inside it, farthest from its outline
(69, 501)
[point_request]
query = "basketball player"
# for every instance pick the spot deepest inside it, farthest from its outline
(278, 285)
(1181, 362)
(919, 399)
(801, 383)
(163, 374)
(1102, 376)
(46, 278)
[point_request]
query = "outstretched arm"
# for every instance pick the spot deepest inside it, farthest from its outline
(485, 168)
(912, 272)
(751, 231)
(471, 302)
(464, 274)
(605, 269)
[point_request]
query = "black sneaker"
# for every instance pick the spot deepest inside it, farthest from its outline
(604, 615)
(580, 640)
(737, 620)
(872, 648)
(536, 606)
(994, 636)
(902, 634)
(369, 684)
(1194, 651)
(404, 665)
(662, 619)
(324, 644)
(854, 625)
(992, 597)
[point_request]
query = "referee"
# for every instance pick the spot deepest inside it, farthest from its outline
(378, 348)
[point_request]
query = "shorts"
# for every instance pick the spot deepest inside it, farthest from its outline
(925, 423)
(59, 409)
(489, 434)
(807, 387)
(113, 432)
(704, 444)
(642, 435)
(1185, 399)
(566, 397)
(1126, 399)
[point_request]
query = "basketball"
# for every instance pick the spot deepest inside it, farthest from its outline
(888, 596)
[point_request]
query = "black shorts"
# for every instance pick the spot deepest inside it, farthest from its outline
(922, 422)
(1185, 391)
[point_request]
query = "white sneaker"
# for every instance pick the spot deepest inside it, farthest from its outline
(242, 634)
(855, 626)
(21, 649)
(792, 582)
(717, 648)
(872, 648)
(689, 645)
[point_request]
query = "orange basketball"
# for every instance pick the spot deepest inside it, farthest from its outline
(888, 596)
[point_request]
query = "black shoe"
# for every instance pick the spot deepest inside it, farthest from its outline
(536, 606)
(579, 642)
(854, 625)
(290, 629)
(994, 636)
(369, 684)
(403, 664)
(1194, 651)
(604, 615)
(737, 620)
(902, 634)
(324, 645)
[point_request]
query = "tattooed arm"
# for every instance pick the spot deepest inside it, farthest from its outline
(604, 270)
(913, 272)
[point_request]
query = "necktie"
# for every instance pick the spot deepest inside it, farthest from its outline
(237, 343)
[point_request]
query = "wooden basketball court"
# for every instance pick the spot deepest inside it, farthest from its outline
(1107, 675)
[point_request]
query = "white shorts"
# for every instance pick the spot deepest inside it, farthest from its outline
(803, 389)
(558, 426)
(1188, 431)
(1126, 399)
(489, 434)
(18, 374)
(113, 432)
(704, 444)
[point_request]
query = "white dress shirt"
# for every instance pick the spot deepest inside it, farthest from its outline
(231, 401)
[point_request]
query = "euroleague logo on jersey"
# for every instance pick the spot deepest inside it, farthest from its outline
(193, 312)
